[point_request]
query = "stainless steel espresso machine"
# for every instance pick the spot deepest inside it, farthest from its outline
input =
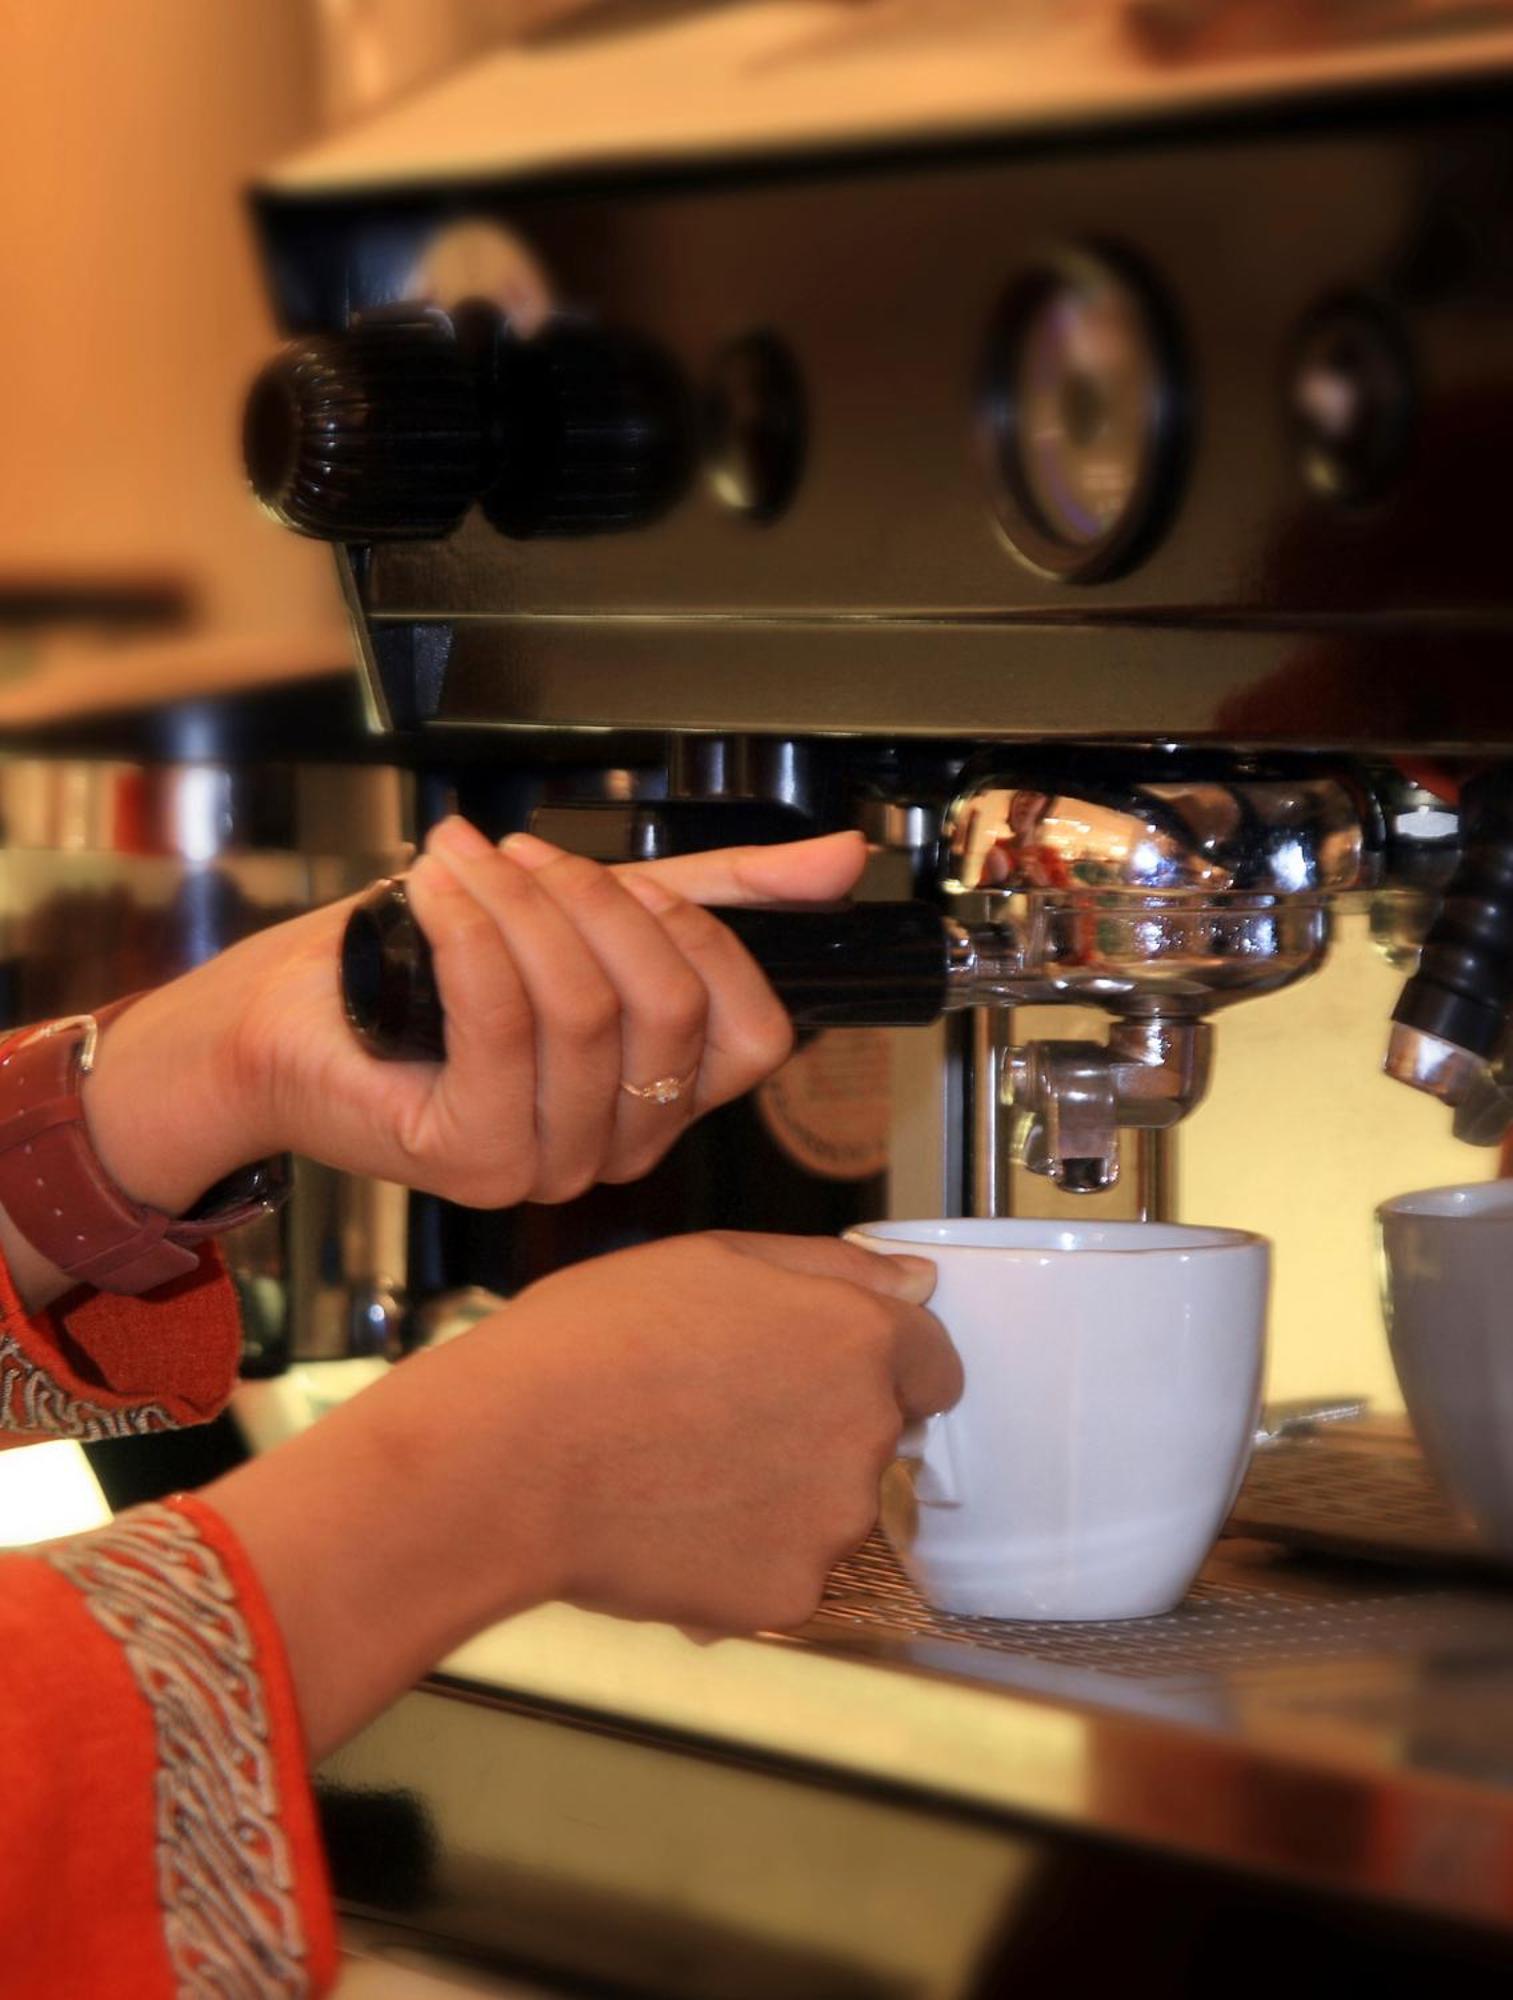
(1096, 497)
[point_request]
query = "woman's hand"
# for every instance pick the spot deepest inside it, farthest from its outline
(693, 1431)
(561, 979)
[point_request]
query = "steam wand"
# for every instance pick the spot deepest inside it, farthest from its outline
(1451, 1024)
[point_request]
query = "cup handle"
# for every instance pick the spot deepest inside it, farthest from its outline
(928, 1443)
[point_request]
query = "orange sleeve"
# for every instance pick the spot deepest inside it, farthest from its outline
(102, 1365)
(159, 1832)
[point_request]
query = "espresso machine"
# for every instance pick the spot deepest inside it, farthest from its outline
(1086, 480)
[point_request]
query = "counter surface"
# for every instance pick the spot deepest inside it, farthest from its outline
(1343, 1725)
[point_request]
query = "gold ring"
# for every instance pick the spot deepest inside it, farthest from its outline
(661, 1089)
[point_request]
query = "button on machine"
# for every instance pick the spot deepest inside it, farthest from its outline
(1350, 400)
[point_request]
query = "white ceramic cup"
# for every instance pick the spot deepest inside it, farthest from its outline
(1113, 1382)
(1447, 1293)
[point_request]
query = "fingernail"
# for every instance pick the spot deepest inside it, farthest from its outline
(530, 850)
(455, 835)
(649, 893)
(438, 880)
(916, 1276)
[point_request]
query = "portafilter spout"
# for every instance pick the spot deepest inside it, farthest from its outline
(1159, 900)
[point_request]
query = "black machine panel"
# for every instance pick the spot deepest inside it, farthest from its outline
(1195, 433)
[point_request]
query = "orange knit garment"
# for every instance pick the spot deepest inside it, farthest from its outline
(159, 1832)
(99, 1364)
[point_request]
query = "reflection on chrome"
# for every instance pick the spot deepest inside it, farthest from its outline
(1157, 901)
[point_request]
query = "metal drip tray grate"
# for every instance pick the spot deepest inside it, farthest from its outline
(1355, 1491)
(1224, 1626)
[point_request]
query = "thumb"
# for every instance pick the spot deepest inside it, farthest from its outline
(901, 1277)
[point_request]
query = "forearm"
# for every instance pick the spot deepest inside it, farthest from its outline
(365, 1534)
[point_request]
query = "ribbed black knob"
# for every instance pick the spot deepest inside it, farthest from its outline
(376, 434)
(593, 433)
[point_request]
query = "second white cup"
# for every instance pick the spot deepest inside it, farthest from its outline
(1113, 1385)
(1447, 1257)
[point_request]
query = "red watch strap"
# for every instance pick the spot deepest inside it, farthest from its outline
(55, 1189)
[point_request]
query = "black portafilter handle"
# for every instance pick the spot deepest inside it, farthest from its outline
(1463, 987)
(842, 965)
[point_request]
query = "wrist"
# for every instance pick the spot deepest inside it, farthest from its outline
(169, 1108)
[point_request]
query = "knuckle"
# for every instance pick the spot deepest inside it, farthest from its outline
(792, 1600)
(499, 1015)
(488, 1191)
(632, 1163)
(587, 1013)
(681, 1008)
(854, 1524)
(564, 1183)
(708, 1255)
(717, 1244)
(714, 1239)
(495, 883)
(878, 1438)
(497, 1183)
(768, 1042)
(576, 879)
(776, 1036)
(464, 927)
(496, 1179)
(696, 930)
(869, 1323)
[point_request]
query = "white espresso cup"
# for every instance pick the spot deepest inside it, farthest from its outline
(1447, 1293)
(1113, 1384)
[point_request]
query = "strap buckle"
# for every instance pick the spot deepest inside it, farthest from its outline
(84, 1024)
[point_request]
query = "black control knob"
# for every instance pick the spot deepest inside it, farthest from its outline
(391, 430)
(377, 434)
(592, 433)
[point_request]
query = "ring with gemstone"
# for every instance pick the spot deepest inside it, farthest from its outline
(661, 1089)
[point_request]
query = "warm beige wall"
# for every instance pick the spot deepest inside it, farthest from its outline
(133, 312)
(1301, 1138)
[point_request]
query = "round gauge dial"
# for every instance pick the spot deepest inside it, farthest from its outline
(1080, 418)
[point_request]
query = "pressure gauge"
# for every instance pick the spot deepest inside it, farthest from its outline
(1081, 417)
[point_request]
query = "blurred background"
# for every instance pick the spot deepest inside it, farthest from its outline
(128, 135)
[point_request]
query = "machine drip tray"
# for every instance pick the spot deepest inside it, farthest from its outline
(1333, 1699)
(1357, 1489)
(1399, 1577)
(1239, 1618)
(1307, 1716)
